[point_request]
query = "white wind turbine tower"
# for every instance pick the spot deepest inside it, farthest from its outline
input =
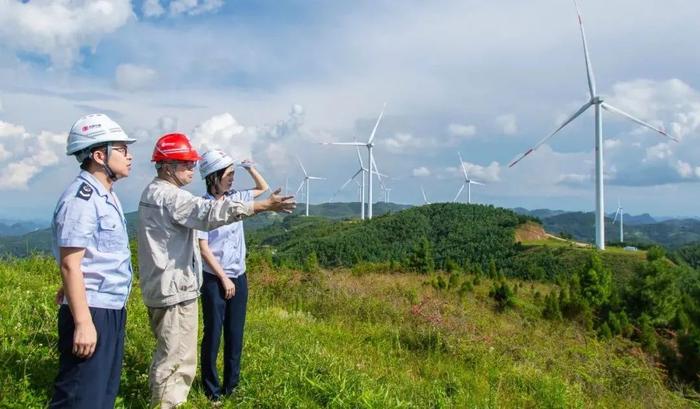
(360, 172)
(467, 182)
(620, 212)
(306, 180)
(597, 103)
(370, 158)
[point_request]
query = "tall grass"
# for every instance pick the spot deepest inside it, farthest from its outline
(345, 340)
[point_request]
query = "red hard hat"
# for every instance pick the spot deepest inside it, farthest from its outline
(174, 146)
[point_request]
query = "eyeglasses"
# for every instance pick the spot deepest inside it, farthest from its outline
(189, 165)
(122, 149)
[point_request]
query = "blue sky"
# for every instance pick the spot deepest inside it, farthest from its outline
(271, 79)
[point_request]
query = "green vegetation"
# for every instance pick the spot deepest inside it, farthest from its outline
(435, 306)
(322, 339)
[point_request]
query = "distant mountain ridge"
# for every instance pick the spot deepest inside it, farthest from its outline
(25, 243)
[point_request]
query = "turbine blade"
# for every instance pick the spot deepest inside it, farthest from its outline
(344, 143)
(425, 198)
(302, 166)
(589, 68)
(474, 182)
(543, 140)
(376, 125)
(376, 172)
(459, 192)
(301, 185)
(359, 158)
(461, 163)
(616, 214)
(620, 112)
(315, 178)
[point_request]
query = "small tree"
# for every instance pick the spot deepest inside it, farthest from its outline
(647, 335)
(421, 258)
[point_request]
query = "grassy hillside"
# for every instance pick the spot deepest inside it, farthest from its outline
(339, 339)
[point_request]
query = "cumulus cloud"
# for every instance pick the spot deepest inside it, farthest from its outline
(154, 8)
(421, 171)
(672, 102)
(245, 142)
(24, 155)
(490, 173)
(130, 77)
(60, 28)
(508, 124)
(461, 131)
(402, 141)
(658, 152)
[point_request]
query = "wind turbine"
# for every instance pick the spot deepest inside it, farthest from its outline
(361, 171)
(370, 157)
(596, 101)
(621, 213)
(467, 182)
(425, 198)
(306, 180)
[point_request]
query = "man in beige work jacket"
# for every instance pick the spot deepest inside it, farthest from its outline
(170, 266)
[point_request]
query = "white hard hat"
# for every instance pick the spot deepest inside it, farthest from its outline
(93, 130)
(214, 160)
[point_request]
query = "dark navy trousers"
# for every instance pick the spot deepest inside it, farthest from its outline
(92, 382)
(227, 316)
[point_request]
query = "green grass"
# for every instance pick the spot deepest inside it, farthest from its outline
(334, 339)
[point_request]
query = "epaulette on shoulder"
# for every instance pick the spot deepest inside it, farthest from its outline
(84, 191)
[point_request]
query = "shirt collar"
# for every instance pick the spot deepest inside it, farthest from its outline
(96, 184)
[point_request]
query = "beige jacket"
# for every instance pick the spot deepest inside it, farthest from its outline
(170, 265)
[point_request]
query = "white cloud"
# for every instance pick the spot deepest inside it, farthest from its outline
(660, 151)
(130, 77)
(672, 102)
(194, 7)
(152, 8)
(244, 142)
(684, 169)
(24, 155)
(461, 131)
(421, 171)
(402, 141)
(490, 173)
(508, 124)
(611, 144)
(575, 179)
(60, 28)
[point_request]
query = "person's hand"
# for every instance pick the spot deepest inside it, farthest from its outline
(277, 203)
(84, 339)
(229, 288)
(246, 163)
(59, 296)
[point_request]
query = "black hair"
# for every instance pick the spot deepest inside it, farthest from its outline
(212, 181)
(85, 164)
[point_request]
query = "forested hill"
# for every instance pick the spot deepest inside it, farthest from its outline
(449, 231)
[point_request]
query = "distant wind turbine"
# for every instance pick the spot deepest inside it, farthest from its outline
(620, 212)
(306, 180)
(360, 172)
(425, 198)
(370, 158)
(597, 102)
(467, 182)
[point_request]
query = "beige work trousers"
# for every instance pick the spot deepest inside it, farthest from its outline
(175, 358)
